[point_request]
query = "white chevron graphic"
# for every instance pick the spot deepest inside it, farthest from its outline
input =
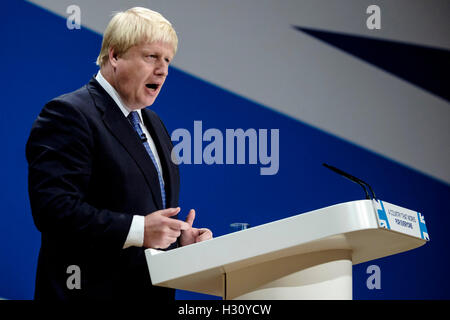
(250, 48)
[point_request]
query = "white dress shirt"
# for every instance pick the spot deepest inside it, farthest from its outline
(136, 234)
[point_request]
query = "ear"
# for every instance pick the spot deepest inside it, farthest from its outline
(112, 57)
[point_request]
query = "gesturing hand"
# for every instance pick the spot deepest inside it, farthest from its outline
(161, 230)
(193, 235)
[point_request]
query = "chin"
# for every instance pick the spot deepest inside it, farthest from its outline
(144, 103)
(149, 101)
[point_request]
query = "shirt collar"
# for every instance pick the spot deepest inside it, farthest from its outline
(115, 96)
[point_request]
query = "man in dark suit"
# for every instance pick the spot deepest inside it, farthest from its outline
(102, 184)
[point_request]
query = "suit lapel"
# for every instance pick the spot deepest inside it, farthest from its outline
(120, 127)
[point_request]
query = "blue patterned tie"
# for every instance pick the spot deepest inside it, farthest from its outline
(134, 117)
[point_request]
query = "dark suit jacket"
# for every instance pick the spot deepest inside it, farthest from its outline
(89, 173)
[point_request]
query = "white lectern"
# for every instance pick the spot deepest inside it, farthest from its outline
(307, 256)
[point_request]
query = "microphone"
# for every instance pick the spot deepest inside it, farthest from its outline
(143, 137)
(353, 179)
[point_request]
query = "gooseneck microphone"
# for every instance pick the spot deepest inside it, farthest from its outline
(353, 179)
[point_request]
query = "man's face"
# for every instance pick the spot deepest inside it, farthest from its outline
(140, 73)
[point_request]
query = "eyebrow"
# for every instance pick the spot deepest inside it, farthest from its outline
(156, 52)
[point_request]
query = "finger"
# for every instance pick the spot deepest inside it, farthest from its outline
(204, 234)
(176, 224)
(173, 232)
(165, 245)
(171, 240)
(167, 241)
(191, 217)
(170, 212)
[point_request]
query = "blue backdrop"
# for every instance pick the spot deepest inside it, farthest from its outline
(41, 60)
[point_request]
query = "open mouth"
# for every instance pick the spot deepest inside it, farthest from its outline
(152, 86)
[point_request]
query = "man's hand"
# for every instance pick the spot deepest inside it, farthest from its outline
(193, 235)
(161, 230)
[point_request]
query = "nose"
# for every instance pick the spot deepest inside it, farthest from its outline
(162, 69)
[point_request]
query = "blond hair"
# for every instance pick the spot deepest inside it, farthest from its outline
(133, 27)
